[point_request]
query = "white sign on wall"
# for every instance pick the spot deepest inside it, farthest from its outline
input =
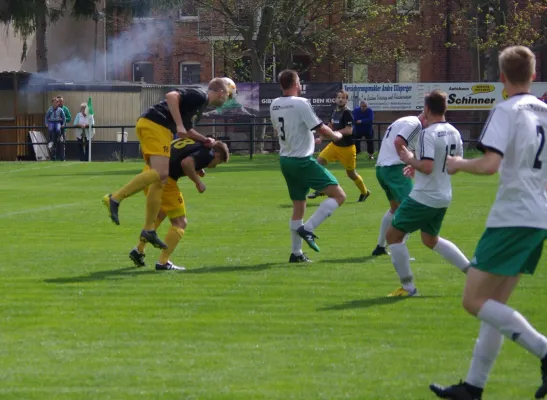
(410, 96)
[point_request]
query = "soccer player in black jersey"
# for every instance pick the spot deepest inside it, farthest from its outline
(188, 158)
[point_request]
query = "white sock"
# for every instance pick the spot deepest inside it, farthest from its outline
(386, 222)
(486, 350)
(295, 237)
(326, 208)
(513, 325)
(401, 261)
(452, 254)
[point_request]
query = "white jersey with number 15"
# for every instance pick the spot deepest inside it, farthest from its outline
(294, 119)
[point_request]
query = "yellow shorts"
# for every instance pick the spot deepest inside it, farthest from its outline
(155, 139)
(172, 202)
(347, 156)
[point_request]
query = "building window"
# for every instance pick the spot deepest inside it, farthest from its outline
(408, 71)
(359, 73)
(143, 71)
(188, 11)
(408, 6)
(302, 65)
(190, 72)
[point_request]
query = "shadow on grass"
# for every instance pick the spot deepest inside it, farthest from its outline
(113, 274)
(290, 206)
(128, 272)
(372, 302)
(348, 260)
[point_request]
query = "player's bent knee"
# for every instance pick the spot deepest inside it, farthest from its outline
(351, 174)
(471, 304)
(179, 222)
(429, 241)
(394, 235)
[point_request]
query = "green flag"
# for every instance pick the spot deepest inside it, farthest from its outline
(90, 106)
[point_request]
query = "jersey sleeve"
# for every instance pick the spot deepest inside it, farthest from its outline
(409, 133)
(310, 118)
(427, 146)
(459, 150)
(495, 134)
(347, 118)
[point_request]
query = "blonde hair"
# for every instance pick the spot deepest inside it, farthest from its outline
(518, 64)
(83, 105)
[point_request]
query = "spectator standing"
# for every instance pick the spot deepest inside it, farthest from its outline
(55, 120)
(82, 122)
(68, 118)
(364, 117)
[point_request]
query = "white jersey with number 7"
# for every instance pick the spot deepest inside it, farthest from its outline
(516, 130)
(294, 119)
(438, 141)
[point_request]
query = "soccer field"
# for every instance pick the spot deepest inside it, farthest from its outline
(78, 321)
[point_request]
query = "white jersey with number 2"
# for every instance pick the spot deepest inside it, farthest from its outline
(406, 127)
(294, 119)
(438, 141)
(516, 130)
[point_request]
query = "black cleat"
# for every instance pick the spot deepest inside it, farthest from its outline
(302, 258)
(542, 390)
(137, 258)
(168, 266)
(379, 251)
(112, 207)
(363, 197)
(461, 391)
(315, 195)
(152, 238)
(308, 237)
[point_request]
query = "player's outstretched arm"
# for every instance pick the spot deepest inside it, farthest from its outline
(327, 133)
(488, 164)
(173, 101)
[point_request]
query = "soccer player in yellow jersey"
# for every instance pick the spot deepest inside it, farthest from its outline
(155, 128)
(188, 158)
(343, 150)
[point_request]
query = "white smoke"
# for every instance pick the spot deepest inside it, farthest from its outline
(140, 42)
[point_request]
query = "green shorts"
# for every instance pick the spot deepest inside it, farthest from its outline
(302, 174)
(509, 251)
(395, 184)
(412, 216)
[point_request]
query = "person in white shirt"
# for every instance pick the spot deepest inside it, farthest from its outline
(425, 207)
(83, 121)
(294, 121)
(513, 142)
(389, 169)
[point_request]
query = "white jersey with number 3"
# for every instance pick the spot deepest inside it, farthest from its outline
(406, 127)
(438, 141)
(516, 130)
(294, 119)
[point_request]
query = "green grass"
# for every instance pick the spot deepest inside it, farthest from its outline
(77, 321)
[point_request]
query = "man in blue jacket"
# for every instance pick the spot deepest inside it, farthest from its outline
(363, 117)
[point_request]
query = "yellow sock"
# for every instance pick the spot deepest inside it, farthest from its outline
(137, 184)
(142, 243)
(360, 184)
(153, 204)
(171, 240)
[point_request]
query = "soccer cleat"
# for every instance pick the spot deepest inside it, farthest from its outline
(302, 258)
(379, 251)
(403, 293)
(152, 238)
(308, 237)
(137, 258)
(169, 266)
(363, 197)
(461, 391)
(542, 390)
(315, 195)
(112, 207)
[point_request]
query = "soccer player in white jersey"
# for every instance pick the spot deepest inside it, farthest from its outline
(389, 169)
(425, 207)
(513, 142)
(294, 120)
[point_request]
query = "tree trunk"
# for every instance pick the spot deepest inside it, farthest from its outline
(41, 42)
(258, 75)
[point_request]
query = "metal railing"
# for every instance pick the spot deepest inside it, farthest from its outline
(378, 129)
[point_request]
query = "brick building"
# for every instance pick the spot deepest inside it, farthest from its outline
(181, 54)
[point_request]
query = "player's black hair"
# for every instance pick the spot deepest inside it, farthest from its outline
(436, 102)
(287, 78)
